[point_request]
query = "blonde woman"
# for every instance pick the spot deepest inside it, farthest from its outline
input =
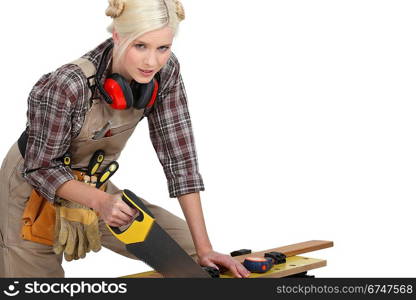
(71, 113)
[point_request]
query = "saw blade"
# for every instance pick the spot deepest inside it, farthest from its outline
(163, 254)
(152, 244)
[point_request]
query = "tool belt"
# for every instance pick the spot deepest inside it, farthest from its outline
(39, 216)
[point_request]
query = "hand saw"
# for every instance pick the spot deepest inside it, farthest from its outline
(150, 243)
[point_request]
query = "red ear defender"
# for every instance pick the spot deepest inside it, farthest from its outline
(119, 91)
(116, 94)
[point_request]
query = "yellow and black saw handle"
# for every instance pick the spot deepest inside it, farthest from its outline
(139, 229)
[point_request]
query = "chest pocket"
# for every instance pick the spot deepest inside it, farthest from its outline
(82, 150)
(120, 129)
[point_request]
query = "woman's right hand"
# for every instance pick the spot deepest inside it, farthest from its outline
(114, 211)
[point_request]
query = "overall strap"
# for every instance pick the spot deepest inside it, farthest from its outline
(88, 69)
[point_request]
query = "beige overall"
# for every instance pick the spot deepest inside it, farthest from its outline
(21, 258)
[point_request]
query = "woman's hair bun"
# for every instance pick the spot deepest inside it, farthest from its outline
(115, 8)
(180, 12)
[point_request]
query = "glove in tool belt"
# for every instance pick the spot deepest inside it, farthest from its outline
(145, 239)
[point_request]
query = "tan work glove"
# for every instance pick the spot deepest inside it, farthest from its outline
(76, 230)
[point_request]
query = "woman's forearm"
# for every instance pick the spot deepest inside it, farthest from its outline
(192, 209)
(82, 193)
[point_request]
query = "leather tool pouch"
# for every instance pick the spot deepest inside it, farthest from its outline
(38, 220)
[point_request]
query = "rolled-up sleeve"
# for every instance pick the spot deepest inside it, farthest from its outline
(50, 107)
(172, 137)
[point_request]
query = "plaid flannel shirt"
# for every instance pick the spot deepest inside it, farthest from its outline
(57, 105)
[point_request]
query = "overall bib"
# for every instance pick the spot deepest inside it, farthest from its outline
(22, 258)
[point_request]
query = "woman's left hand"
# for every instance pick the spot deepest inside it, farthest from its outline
(212, 259)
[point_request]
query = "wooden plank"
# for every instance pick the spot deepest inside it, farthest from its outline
(291, 250)
(149, 274)
(294, 264)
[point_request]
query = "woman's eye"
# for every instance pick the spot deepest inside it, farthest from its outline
(164, 48)
(139, 46)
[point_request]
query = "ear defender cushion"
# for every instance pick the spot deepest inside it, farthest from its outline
(144, 94)
(119, 91)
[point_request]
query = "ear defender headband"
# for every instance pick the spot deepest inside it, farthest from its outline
(120, 94)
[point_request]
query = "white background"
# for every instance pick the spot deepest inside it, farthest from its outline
(303, 114)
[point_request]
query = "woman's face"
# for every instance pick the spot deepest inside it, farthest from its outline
(145, 56)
